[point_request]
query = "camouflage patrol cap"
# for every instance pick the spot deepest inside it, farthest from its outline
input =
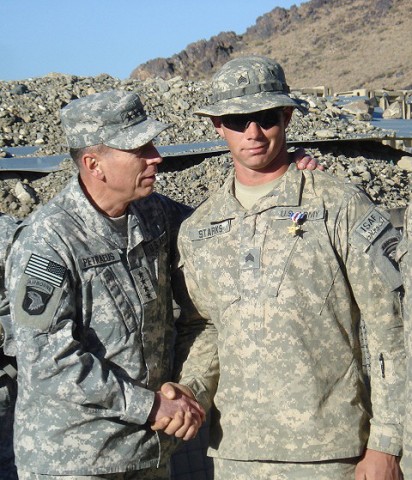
(115, 118)
(249, 84)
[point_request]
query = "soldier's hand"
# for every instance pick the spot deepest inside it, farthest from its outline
(176, 412)
(304, 161)
(2, 336)
(376, 465)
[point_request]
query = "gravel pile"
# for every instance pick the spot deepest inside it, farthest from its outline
(29, 115)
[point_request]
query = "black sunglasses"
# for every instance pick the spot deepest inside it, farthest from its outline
(265, 118)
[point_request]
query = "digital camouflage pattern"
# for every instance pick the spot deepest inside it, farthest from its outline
(233, 470)
(281, 295)
(114, 118)
(8, 383)
(249, 84)
(94, 327)
(405, 260)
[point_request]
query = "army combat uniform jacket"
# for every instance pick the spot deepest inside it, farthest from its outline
(94, 331)
(8, 371)
(404, 256)
(281, 300)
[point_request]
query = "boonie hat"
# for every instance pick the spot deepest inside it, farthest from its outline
(249, 84)
(115, 118)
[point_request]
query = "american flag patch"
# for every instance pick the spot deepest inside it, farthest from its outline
(45, 269)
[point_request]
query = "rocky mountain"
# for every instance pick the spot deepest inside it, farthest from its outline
(343, 44)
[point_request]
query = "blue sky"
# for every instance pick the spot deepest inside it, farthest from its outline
(89, 37)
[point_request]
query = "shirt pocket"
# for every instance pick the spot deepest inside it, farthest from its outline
(113, 314)
(303, 267)
(216, 266)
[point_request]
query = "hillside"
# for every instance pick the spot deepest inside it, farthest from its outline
(343, 44)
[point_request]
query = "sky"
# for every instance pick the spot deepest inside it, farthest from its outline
(89, 37)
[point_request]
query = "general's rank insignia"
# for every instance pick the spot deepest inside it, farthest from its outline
(144, 285)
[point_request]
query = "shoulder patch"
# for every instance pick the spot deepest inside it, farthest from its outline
(210, 231)
(383, 252)
(372, 225)
(37, 296)
(45, 269)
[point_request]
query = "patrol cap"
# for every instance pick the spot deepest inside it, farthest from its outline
(115, 118)
(249, 84)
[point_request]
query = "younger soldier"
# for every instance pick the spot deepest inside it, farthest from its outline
(281, 265)
(404, 256)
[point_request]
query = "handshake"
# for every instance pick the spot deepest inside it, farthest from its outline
(176, 412)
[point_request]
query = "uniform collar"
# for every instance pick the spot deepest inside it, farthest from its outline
(288, 192)
(99, 224)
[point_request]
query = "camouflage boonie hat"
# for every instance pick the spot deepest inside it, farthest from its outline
(115, 118)
(247, 85)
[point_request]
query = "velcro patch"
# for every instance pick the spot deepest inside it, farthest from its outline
(37, 296)
(285, 213)
(45, 269)
(99, 259)
(383, 251)
(372, 225)
(250, 259)
(210, 231)
(389, 247)
(144, 285)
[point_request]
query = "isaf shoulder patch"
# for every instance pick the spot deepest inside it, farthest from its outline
(379, 240)
(372, 225)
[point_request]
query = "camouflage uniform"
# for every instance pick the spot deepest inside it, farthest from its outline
(94, 329)
(8, 384)
(404, 257)
(91, 304)
(278, 349)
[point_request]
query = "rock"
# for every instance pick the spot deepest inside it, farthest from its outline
(24, 193)
(393, 111)
(405, 163)
(358, 107)
(325, 134)
(363, 116)
(20, 89)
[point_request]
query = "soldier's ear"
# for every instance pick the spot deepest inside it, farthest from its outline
(92, 164)
(287, 115)
(217, 123)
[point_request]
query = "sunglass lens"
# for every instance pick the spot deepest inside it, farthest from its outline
(235, 122)
(266, 119)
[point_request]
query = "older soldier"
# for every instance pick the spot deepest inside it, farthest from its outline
(404, 256)
(90, 285)
(8, 383)
(281, 265)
